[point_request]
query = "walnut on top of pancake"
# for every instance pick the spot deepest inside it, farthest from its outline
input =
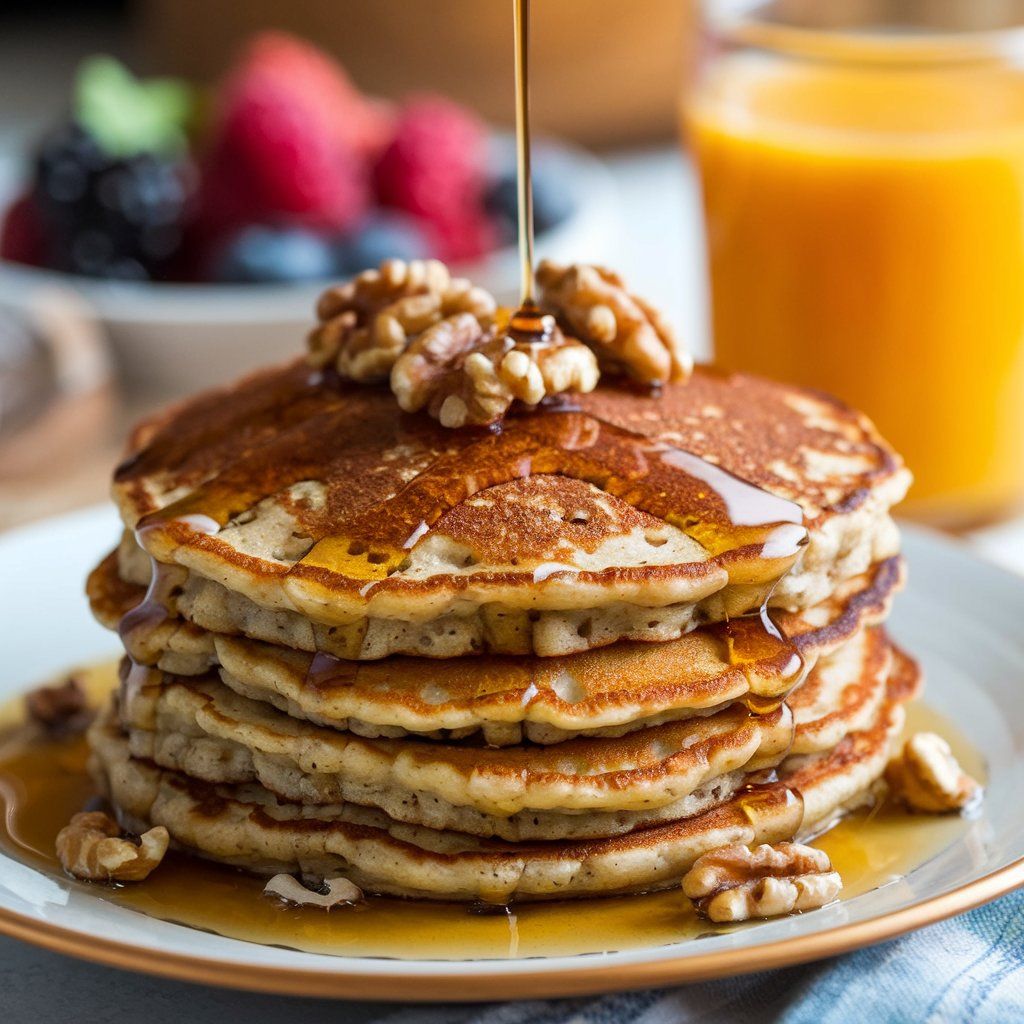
(445, 347)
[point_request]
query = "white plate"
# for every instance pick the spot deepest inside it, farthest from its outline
(961, 615)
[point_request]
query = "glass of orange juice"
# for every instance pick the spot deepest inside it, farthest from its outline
(862, 172)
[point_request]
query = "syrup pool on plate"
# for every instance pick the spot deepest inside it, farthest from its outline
(44, 781)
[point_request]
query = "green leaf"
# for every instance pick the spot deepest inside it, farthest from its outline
(127, 115)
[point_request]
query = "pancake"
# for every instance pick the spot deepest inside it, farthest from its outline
(843, 692)
(300, 506)
(607, 691)
(843, 777)
(246, 826)
(584, 787)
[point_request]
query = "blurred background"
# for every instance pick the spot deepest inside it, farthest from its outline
(181, 177)
(828, 192)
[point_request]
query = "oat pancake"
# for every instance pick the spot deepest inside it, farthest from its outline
(301, 506)
(606, 691)
(583, 787)
(839, 778)
(843, 692)
(245, 825)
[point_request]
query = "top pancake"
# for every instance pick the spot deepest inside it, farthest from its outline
(319, 498)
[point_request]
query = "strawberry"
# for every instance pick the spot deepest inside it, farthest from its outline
(434, 167)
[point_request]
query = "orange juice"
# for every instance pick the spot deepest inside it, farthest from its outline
(865, 232)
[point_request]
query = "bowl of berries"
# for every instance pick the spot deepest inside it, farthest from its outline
(200, 225)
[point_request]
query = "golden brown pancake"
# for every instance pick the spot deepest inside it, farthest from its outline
(245, 825)
(609, 690)
(580, 788)
(303, 506)
(843, 692)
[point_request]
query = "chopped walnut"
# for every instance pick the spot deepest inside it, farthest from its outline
(927, 777)
(628, 335)
(465, 374)
(90, 846)
(736, 883)
(61, 710)
(366, 323)
(335, 892)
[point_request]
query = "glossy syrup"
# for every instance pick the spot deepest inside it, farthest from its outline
(43, 782)
(524, 176)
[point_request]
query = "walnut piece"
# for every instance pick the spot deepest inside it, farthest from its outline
(366, 323)
(628, 335)
(336, 891)
(735, 883)
(90, 846)
(927, 777)
(60, 710)
(465, 374)
(438, 341)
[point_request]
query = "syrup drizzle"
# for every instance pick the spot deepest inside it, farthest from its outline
(524, 177)
(650, 475)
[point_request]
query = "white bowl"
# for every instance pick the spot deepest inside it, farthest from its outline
(170, 339)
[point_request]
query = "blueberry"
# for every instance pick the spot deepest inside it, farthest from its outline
(263, 254)
(381, 236)
(552, 201)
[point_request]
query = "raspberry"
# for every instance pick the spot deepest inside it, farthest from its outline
(21, 237)
(465, 237)
(348, 117)
(290, 141)
(434, 166)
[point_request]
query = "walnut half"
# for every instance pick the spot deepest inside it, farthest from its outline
(61, 710)
(927, 777)
(366, 323)
(735, 883)
(465, 374)
(90, 846)
(628, 334)
(331, 892)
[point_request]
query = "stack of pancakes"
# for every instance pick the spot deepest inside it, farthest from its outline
(564, 658)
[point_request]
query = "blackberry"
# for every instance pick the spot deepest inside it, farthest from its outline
(109, 216)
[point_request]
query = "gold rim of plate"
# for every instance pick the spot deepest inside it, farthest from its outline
(588, 978)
